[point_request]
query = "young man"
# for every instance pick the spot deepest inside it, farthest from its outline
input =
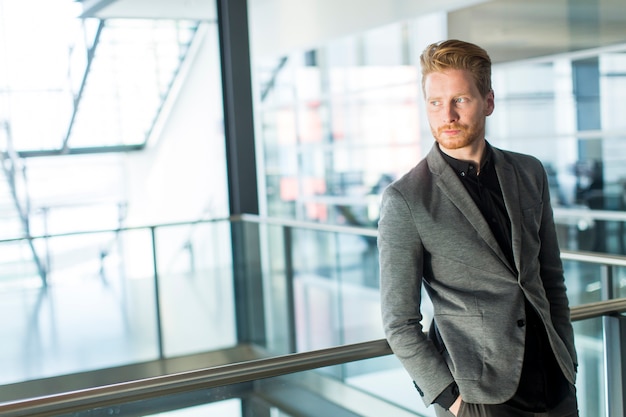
(473, 224)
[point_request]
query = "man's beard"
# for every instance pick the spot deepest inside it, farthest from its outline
(467, 136)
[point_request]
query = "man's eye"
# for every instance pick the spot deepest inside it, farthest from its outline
(435, 103)
(461, 100)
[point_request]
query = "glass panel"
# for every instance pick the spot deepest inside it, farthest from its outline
(590, 383)
(98, 306)
(217, 402)
(96, 311)
(620, 282)
(320, 288)
(17, 268)
(277, 269)
(225, 408)
(132, 71)
(335, 289)
(583, 282)
(196, 288)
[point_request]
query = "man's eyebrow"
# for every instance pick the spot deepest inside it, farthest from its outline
(460, 94)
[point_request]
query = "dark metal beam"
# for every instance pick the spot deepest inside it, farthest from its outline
(238, 112)
(241, 168)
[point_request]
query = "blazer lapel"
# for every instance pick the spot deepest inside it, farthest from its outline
(511, 195)
(451, 186)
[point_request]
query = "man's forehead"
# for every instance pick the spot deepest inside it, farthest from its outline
(457, 81)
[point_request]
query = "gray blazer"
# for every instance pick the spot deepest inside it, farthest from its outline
(432, 233)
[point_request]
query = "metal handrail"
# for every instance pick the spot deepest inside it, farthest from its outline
(581, 256)
(569, 255)
(584, 213)
(322, 227)
(231, 374)
(598, 309)
(593, 258)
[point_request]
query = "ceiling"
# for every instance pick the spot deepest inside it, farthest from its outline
(150, 9)
(517, 29)
(508, 29)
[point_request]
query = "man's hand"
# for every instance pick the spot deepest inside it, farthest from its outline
(454, 408)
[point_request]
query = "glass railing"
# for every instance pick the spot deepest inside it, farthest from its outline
(253, 388)
(115, 297)
(158, 295)
(599, 231)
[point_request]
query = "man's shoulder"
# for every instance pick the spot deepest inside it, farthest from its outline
(414, 188)
(517, 158)
(416, 176)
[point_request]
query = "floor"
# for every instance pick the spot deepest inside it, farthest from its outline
(90, 324)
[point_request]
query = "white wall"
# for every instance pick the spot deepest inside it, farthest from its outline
(181, 176)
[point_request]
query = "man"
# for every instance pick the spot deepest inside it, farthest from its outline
(473, 224)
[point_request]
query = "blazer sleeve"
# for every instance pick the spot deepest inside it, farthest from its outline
(551, 271)
(401, 266)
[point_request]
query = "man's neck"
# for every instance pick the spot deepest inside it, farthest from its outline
(471, 153)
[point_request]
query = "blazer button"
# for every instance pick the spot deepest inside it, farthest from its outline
(521, 323)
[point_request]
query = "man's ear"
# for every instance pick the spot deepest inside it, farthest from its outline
(491, 104)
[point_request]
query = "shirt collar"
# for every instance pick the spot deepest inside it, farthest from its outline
(464, 168)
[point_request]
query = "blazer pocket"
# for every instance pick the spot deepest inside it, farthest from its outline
(462, 336)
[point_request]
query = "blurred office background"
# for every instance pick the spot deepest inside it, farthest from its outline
(121, 170)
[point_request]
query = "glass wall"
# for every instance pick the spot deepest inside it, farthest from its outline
(344, 119)
(338, 126)
(339, 121)
(101, 120)
(110, 124)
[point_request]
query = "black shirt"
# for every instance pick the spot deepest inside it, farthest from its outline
(486, 192)
(542, 384)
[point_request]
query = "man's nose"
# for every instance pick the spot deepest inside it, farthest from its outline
(450, 114)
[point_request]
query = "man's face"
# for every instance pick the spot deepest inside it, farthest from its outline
(455, 108)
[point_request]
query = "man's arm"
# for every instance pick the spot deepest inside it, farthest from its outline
(401, 267)
(552, 274)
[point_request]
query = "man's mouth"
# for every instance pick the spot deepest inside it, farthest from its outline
(451, 132)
